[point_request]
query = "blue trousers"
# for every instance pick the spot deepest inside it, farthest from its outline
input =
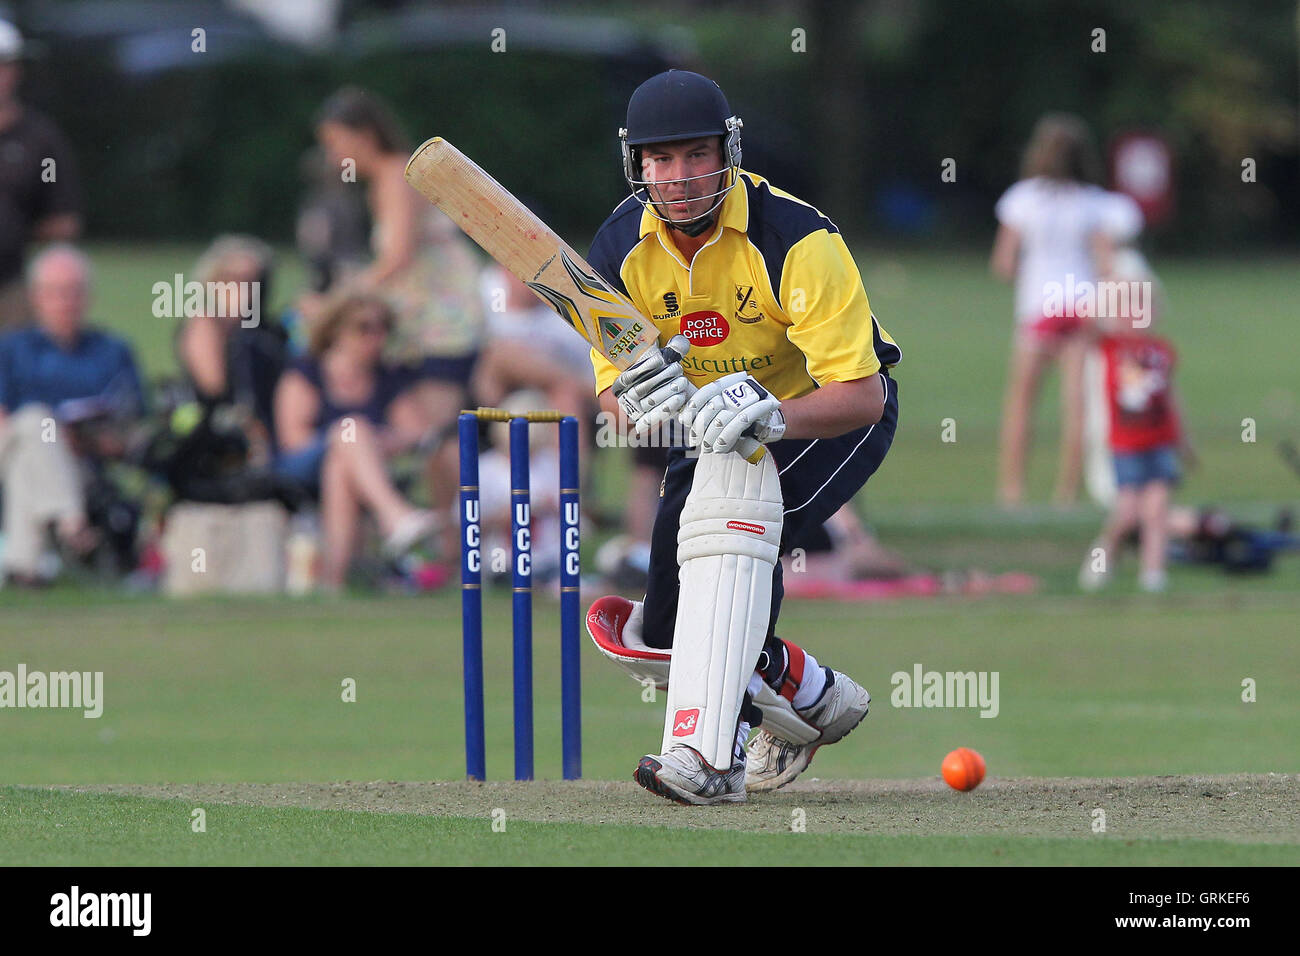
(817, 477)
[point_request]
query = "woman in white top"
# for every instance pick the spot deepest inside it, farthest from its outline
(1053, 241)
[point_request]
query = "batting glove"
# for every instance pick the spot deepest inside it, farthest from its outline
(653, 391)
(734, 405)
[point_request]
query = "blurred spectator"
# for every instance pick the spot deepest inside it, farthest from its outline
(1121, 220)
(1051, 235)
(39, 187)
(214, 435)
(230, 361)
(845, 549)
(1146, 437)
(529, 346)
(333, 224)
(423, 265)
(56, 378)
(495, 479)
(340, 414)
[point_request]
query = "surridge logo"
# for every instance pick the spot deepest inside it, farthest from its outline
(671, 306)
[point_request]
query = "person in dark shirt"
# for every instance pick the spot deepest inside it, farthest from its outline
(340, 413)
(230, 360)
(40, 195)
(54, 376)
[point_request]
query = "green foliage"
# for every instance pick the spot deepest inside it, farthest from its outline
(882, 95)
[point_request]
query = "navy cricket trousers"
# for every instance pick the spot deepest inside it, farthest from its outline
(817, 477)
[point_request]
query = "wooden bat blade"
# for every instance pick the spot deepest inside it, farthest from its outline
(510, 233)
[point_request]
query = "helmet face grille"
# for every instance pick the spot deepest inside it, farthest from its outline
(674, 106)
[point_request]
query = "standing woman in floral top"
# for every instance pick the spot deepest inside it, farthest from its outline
(423, 266)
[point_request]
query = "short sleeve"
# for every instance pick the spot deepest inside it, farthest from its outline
(1119, 217)
(835, 329)
(1013, 209)
(605, 371)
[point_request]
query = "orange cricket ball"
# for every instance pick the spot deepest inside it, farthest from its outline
(963, 769)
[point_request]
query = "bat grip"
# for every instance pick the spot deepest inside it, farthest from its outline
(748, 448)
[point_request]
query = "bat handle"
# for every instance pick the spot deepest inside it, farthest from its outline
(748, 448)
(676, 348)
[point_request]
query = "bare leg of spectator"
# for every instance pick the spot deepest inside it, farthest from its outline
(443, 476)
(1070, 466)
(1022, 389)
(340, 510)
(1155, 534)
(441, 403)
(355, 443)
(1123, 519)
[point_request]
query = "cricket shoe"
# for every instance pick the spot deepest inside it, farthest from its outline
(682, 775)
(772, 762)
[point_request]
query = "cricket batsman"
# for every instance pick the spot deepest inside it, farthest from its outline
(785, 350)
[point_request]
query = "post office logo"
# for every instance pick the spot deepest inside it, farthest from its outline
(705, 328)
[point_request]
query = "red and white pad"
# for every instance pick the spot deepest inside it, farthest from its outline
(614, 624)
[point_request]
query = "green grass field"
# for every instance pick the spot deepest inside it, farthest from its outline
(231, 692)
(1124, 702)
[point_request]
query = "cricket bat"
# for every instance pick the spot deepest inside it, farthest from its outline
(512, 235)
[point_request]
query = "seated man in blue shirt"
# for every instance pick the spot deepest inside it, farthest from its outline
(53, 375)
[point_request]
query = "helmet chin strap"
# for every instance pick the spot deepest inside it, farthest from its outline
(695, 227)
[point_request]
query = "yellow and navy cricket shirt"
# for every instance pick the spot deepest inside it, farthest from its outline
(774, 292)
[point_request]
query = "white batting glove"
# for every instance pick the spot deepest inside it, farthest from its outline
(652, 391)
(734, 405)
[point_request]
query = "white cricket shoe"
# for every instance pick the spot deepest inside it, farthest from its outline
(682, 775)
(772, 762)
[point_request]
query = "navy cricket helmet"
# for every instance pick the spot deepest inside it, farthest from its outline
(672, 106)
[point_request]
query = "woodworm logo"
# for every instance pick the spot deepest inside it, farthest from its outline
(685, 721)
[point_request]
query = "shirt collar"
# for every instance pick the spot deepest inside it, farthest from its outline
(734, 213)
(51, 342)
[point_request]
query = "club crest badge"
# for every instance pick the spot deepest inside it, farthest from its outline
(747, 310)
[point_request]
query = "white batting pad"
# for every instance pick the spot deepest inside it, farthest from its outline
(727, 546)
